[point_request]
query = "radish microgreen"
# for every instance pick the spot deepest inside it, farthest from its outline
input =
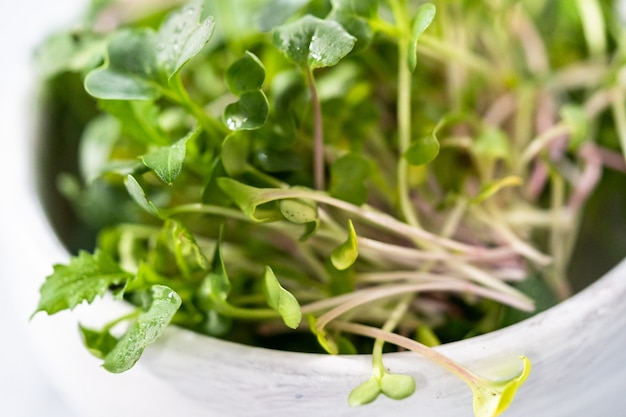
(378, 167)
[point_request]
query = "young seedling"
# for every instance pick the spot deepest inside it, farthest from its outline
(375, 166)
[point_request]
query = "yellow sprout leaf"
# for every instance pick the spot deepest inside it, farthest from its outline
(492, 398)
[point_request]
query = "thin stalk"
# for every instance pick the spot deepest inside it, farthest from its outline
(594, 27)
(344, 304)
(318, 134)
(460, 371)
(542, 141)
(395, 317)
(558, 241)
(618, 106)
(212, 126)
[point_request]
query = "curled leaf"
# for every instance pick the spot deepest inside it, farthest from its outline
(346, 254)
(130, 68)
(492, 398)
(282, 300)
(162, 305)
(167, 161)
(138, 194)
(245, 75)
(182, 36)
(423, 18)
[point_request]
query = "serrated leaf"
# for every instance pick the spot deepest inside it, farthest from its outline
(396, 386)
(182, 36)
(130, 69)
(423, 18)
(248, 113)
(86, 277)
(180, 242)
(245, 75)
(96, 145)
(167, 161)
(281, 300)
(365, 393)
(313, 42)
(152, 321)
(139, 195)
(344, 255)
(99, 343)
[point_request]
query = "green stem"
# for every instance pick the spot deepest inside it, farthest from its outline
(460, 371)
(318, 134)
(395, 317)
(618, 107)
(404, 112)
(232, 311)
(215, 129)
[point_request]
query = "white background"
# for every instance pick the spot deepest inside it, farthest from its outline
(24, 390)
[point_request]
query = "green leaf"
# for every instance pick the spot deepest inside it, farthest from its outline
(235, 153)
(492, 398)
(396, 386)
(247, 198)
(364, 8)
(347, 178)
(130, 69)
(313, 42)
(86, 277)
(162, 305)
(167, 161)
(575, 117)
(182, 36)
(216, 286)
(423, 18)
(365, 393)
(423, 150)
(325, 341)
(139, 195)
(139, 119)
(248, 113)
(99, 343)
(490, 189)
(344, 255)
(245, 75)
(353, 16)
(299, 211)
(276, 12)
(96, 145)
(492, 143)
(68, 51)
(282, 300)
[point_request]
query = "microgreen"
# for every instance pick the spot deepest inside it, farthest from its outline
(373, 166)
